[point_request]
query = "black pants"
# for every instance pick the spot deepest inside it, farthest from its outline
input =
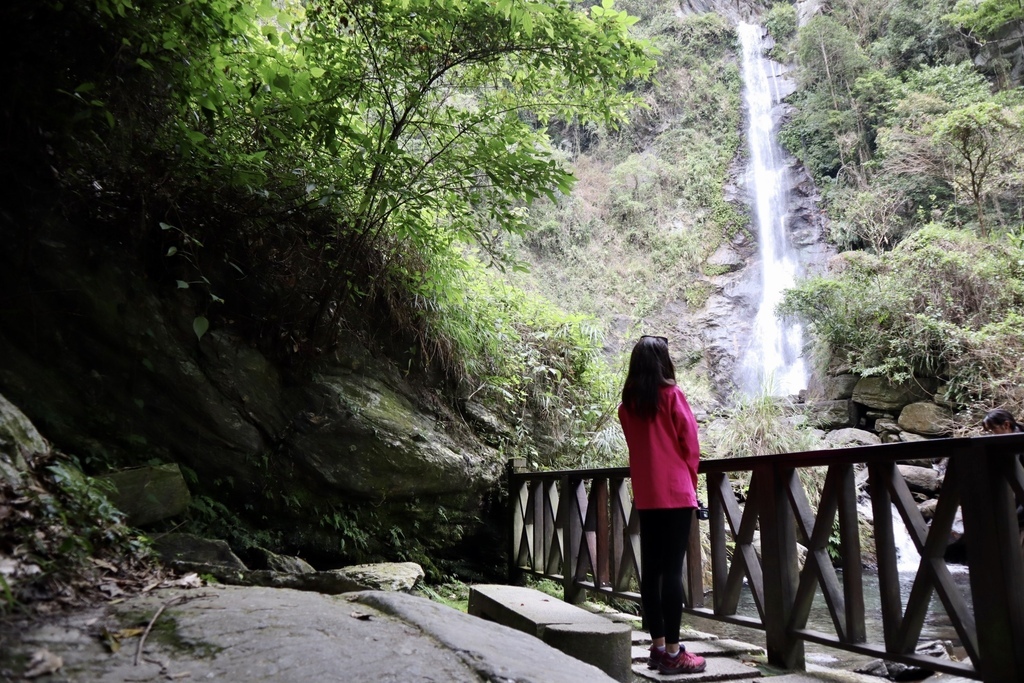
(664, 536)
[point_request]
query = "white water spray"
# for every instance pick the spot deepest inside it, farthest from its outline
(773, 353)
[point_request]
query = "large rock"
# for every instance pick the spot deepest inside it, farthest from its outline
(330, 582)
(1005, 52)
(189, 549)
(262, 635)
(386, 576)
(725, 259)
(927, 509)
(261, 558)
(851, 436)
(806, 9)
(921, 479)
(881, 394)
(19, 442)
(485, 423)
(370, 440)
(829, 414)
(838, 387)
(149, 494)
(926, 418)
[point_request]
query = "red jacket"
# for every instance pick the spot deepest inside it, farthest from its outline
(663, 453)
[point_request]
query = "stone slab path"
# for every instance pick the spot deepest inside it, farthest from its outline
(727, 660)
(278, 635)
(263, 635)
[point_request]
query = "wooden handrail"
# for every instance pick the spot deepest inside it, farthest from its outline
(578, 527)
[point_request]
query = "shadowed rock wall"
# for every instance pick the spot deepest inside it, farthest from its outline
(339, 462)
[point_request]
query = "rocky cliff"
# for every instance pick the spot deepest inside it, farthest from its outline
(344, 459)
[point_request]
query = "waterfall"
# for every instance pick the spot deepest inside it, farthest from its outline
(773, 352)
(907, 557)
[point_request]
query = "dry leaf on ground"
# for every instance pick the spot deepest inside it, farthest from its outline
(190, 580)
(42, 663)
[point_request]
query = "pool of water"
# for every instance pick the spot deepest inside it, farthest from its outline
(937, 626)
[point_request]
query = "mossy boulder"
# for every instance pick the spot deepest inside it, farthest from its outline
(882, 394)
(926, 418)
(19, 441)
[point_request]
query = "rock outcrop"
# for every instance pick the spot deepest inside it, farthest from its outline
(107, 365)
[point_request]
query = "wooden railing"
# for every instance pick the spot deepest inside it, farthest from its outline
(579, 527)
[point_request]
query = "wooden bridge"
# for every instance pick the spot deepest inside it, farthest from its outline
(578, 527)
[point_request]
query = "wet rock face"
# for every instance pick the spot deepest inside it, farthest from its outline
(1005, 53)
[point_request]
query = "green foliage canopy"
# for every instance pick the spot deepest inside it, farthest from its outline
(405, 126)
(987, 17)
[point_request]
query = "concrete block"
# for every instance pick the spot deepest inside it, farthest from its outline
(525, 609)
(605, 646)
(575, 631)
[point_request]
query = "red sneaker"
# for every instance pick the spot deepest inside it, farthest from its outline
(655, 657)
(682, 663)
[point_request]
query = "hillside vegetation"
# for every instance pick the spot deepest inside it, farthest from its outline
(304, 173)
(909, 115)
(630, 245)
(311, 184)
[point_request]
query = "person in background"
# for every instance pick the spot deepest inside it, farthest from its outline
(1000, 421)
(661, 434)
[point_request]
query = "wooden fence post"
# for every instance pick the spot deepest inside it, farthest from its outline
(779, 565)
(572, 535)
(514, 507)
(994, 556)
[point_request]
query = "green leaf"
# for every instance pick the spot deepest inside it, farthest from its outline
(200, 325)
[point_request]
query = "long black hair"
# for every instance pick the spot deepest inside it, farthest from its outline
(999, 417)
(650, 369)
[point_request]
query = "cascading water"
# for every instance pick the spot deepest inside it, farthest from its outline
(773, 353)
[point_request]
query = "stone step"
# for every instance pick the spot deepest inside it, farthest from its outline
(718, 669)
(573, 630)
(706, 648)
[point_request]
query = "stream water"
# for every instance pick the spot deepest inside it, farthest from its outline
(937, 625)
(773, 356)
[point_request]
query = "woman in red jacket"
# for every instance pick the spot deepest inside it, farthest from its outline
(661, 434)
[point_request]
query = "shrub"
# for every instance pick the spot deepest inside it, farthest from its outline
(942, 304)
